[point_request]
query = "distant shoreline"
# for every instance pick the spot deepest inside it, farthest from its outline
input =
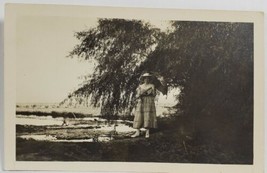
(46, 109)
(54, 114)
(37, 103)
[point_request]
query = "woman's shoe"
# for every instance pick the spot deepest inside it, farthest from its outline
(137, 133)
(147, 134)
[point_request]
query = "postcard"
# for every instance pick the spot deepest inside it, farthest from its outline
(133, 89)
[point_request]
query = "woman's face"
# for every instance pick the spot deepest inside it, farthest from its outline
(146, 80)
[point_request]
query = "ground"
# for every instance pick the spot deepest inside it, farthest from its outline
(164, 145)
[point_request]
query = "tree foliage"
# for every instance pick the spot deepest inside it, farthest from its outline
(118, 46)
(211, 62)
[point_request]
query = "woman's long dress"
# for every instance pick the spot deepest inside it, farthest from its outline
(145, 111)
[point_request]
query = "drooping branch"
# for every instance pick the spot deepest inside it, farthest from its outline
(119, 47)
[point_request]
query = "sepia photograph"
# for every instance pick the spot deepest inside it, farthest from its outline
(133, 89)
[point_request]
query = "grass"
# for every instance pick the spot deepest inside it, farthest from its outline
(166, 144)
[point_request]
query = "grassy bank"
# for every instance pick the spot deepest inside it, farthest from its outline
(159, 148)
(166, 144)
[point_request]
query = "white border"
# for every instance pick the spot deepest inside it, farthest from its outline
(205, 15)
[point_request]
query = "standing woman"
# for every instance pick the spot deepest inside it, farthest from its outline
(145, 111)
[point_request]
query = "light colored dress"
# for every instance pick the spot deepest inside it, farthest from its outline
(145, 111)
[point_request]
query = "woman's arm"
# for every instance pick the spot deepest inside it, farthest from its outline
(150, 91)
(138, 92)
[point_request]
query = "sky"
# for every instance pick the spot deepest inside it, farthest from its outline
(44, 72)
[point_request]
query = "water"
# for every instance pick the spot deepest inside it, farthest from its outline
(87, 129)
(50, 121)
(74, 128)
(54, 139)
(38, 120)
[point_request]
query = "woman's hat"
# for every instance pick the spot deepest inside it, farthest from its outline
(159, 84)
(146, 75)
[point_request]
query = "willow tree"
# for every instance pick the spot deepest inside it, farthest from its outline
(118, 47)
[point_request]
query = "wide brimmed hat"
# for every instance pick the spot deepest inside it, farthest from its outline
(159, 84)
(145, 75)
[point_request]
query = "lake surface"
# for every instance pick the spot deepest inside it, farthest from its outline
(90, 127)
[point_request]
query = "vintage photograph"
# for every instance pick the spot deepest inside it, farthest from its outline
(115, 89)
(134, 90)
